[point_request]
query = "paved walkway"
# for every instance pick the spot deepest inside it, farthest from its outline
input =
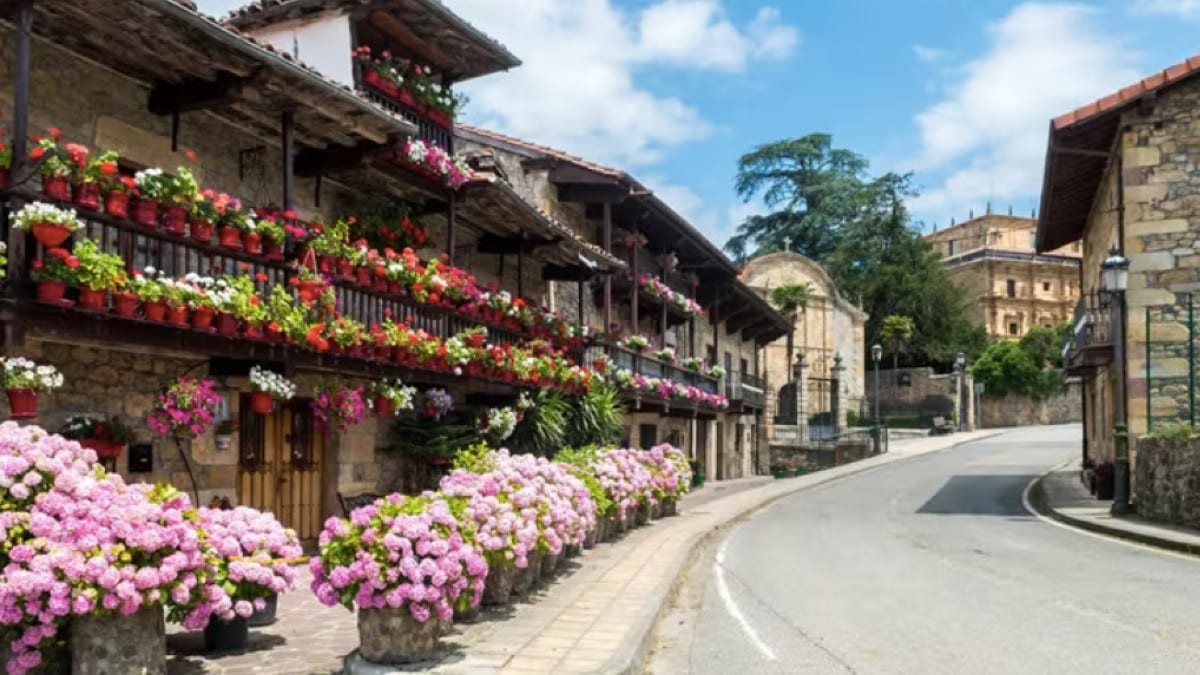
(1062, 495)
(596, 615)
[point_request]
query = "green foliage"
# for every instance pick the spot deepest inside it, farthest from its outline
(1173, 431)
(422, 437)
(1007, 368)
(1044, 344)
(543, 430)
(579, 460)
(557, 420)
(477, 458)
(791, 297)
(597, 418)
(896, 332)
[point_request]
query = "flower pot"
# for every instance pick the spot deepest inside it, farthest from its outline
(656, 510)
(438, 117)
(406, 97)
(261, 402)
(383, 406)
(362, 276)
(272, 334)
(22, 403)
(394, 288)
(309, 291)
(266, 615)
(226, 325)
(92, 299)
(223, 442)
(273, 251)
(201, 231)
(178, 315)
(498, 587)
(550, 564)
(49, 235)
(592, 536)
(154, 311)
(202, 318)
(252, 242)
(379, 284)
(51, 291)
(56, 187)
(226, 636)
(326, 264)
(229, 237)
(345, 269)
(145, 212)
(87, 196)
(392, 636)
(104, 449)
(174, 220)
(103, 644)
(670, 507)
(253, 331)
(116, 204)
(125, 304)
(528, 576)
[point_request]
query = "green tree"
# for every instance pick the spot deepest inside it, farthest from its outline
(792, 298)
(1044, 344)
(1008, 368)
(896, 332)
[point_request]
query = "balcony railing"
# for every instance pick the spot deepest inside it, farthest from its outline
(648, 366)
(1092, 336)
(746, 389)
(427, 130)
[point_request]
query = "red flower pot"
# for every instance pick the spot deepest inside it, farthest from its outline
(383, 406)
(226, 324)
(394, 287)
(22, 403)
(93, 299)
(261, 402)
(326, 264)
(202, 231)
(379, 284)
(51, 291)
(309, 290)
(253, 331)
(155, 311)
(345, 269)
(272, 334)
(56, 187)
(49, 235)
(87, 195)
(229, 237)
(124, 304)
(116, 204)
(438, 117)
(202, 318)
(362, 276)
(175, 220)
(252, 242)
(273, 251)
(145, 212)
(103, 449)
(383, 352)
(406, 97)
(178, 315)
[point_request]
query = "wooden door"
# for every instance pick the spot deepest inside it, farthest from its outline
(280, 465)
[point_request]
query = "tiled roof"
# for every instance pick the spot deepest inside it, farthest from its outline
(1171, 75)
(542, 150)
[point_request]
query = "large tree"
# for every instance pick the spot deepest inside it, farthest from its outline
(827, 206)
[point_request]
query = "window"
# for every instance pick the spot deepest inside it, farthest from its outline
(1046, 286)
(647, 436)
(1013, 328)
(1033, 240)
(1012, 288)
(953, 247)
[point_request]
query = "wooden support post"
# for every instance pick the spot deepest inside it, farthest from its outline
(581, 321)
(633, 276)
(451, 226)
(521, 264)
(607, 237)
(22, 67)
(287, 123)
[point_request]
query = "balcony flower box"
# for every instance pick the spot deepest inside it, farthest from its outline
(145, 212)
(175, 220)
(87, 195)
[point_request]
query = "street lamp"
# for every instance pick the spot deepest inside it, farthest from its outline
(1114, 278)
(835, 391)
(960, 367)
(876, 355)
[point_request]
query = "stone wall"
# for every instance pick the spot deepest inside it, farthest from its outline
(1167, 480)
(1065, 407)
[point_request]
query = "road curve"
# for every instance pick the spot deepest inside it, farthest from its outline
(932, 565)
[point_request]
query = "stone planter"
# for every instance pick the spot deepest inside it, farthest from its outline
(642, 516)
(550, 564)
(391, 636)
(656, 510)
(527, 577)
(499, 585)
(466, 613)
(670, 507)
(266, 615)
(594, 534)
(106, 645)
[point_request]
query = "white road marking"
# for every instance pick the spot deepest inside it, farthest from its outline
(1088, 533)
(732, 608)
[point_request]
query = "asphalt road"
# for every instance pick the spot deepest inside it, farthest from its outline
(932, 565)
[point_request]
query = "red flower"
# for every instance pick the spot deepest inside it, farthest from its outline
(261, 278)
(73, 262)
(55, 133)
(108, 168)
(190, 155)
(37, 153)
(38, 264)
(254, 300)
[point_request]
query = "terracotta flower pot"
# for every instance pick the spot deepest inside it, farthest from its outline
(92, 299)
(229, 237)
(116, 204)
(51, 291)
(383, 352)
(309, 290)
(49, 235)
(272, 334)
(87, 196)
(383, 406)
(155, 311)
(362, 276)
(22, 403)
(202, 318)
(56, 187)
(345, 269)
(379, 284)
(125, 304)
(394, 287)
(326, 264)
(145, 212)
(226, 324)
(103, 449)
(175, 220)
(253, 331)
(252, 242)
(273, 251)
(261, 402)
(201, 231)
(178, 315)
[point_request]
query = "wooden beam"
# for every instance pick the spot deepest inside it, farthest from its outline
(566, 273)
(396, 30)
(592, 194)
(197, 94)
(497, 245)
(564, 173)
(740, 318)
(287, 127)
(310, 162)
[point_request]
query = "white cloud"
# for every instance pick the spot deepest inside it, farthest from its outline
(928, 54)
(987, 135)
(1188, 9)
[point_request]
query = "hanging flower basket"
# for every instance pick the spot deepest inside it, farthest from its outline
(145, 212)
(383, 406)
(50, 235)
(87, 195)
(22, 403)
(261, 402)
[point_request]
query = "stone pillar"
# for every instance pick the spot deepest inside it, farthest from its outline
(710, 450)
(106, 645)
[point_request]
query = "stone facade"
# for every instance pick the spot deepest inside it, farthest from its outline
(1011, 288)
(1167, 480)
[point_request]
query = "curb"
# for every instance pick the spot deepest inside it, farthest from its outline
(634, 662)
(1036, 502)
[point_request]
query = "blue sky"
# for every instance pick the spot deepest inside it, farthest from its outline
(673, 91)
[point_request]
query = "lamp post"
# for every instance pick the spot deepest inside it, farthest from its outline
(960, 367)
(876, 355)
(835, 392)
(798, 377)
(1114, 278)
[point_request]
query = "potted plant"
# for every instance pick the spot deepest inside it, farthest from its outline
(210, 208)
(636, 343)
(223, 434)
(390, 397)
(336, 408)
(5, 161)
(48, 224)
(245, 305)
(55, 164)
(145, 286)
(716, 372)
(99, 170)
(23, 379)
(665, 355)
(273, 236)
(178, 195)
(53, 273)
(1105, 481)
(252, 237)
(151, 186)
(107, 437)
(98, 273)
(266, 388)
(186, 408)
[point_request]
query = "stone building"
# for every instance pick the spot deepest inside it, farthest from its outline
(1011, 287)
(728, 327)
(166, 83)
(1120, 176)
(828, 333)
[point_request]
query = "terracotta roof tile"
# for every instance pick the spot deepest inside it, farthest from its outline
(1121, 97)
(544, 150)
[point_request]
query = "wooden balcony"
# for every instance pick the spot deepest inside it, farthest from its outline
(746, 393)
(1091, 345)
(650, 367)
(427, 129)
